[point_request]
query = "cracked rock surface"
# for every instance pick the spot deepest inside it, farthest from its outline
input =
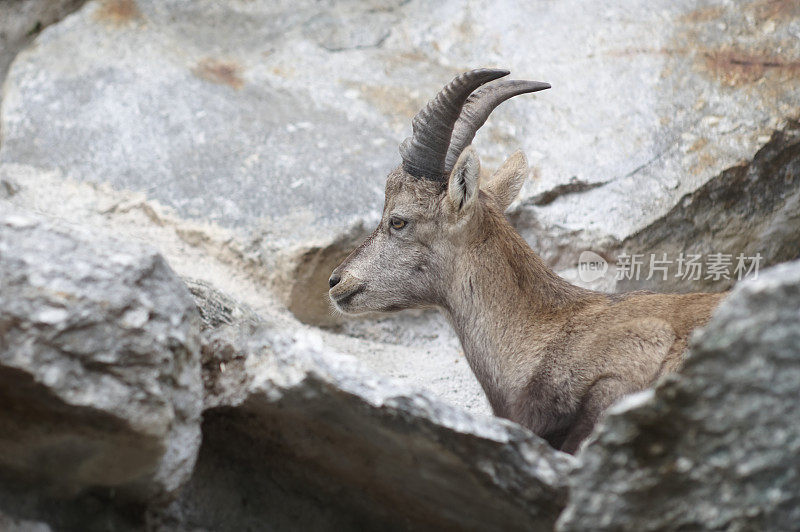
(99, 364)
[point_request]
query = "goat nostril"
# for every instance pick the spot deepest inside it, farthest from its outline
(334, 280)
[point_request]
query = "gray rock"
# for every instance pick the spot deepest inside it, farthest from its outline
(99, 364)
(716, 448)
(300, 437)
(22, 20)
(227, 327)
(281, 119)
(10, 524)
(750, 210)
(218, 310)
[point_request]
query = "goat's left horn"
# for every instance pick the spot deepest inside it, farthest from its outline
(424, 153)
(477, 109)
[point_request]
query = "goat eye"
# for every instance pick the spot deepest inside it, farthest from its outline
(397, 223)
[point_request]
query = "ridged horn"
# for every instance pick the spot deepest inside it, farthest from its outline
(477, 109)
(424, 152)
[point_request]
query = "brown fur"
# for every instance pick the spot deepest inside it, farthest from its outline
(549, 355)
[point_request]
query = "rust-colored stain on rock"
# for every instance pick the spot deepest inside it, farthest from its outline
(118, 11)
(735, 67)
(754, 45)
(392, 101)
(761, 10)
(776, 10)
(703, 14)
(221, 72)
(704, 161)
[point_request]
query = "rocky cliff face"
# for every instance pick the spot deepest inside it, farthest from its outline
(243, 146)
(279, 121)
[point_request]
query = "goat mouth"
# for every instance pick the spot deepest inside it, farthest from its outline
(341, 300)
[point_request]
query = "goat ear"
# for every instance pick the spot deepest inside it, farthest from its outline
(506, 183)
(462, 189)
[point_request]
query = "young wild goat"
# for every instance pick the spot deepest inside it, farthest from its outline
(549, 355)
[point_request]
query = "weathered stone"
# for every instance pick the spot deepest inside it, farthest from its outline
(748, 213)
(281, 119)
(300, 437)
(218, 310)
(227, 326)
(22, 20)
(717, 447)
(99, 364)
(10, 524)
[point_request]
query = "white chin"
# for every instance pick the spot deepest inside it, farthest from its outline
(345, 309)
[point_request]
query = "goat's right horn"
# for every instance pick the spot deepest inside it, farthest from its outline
(425, 152)
(477, 109)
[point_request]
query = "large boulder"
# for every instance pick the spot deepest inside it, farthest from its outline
(717, 447)
(100, 381)
(281, 120)
(296, 436)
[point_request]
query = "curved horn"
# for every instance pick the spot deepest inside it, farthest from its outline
(425, 151)
(477, 109)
